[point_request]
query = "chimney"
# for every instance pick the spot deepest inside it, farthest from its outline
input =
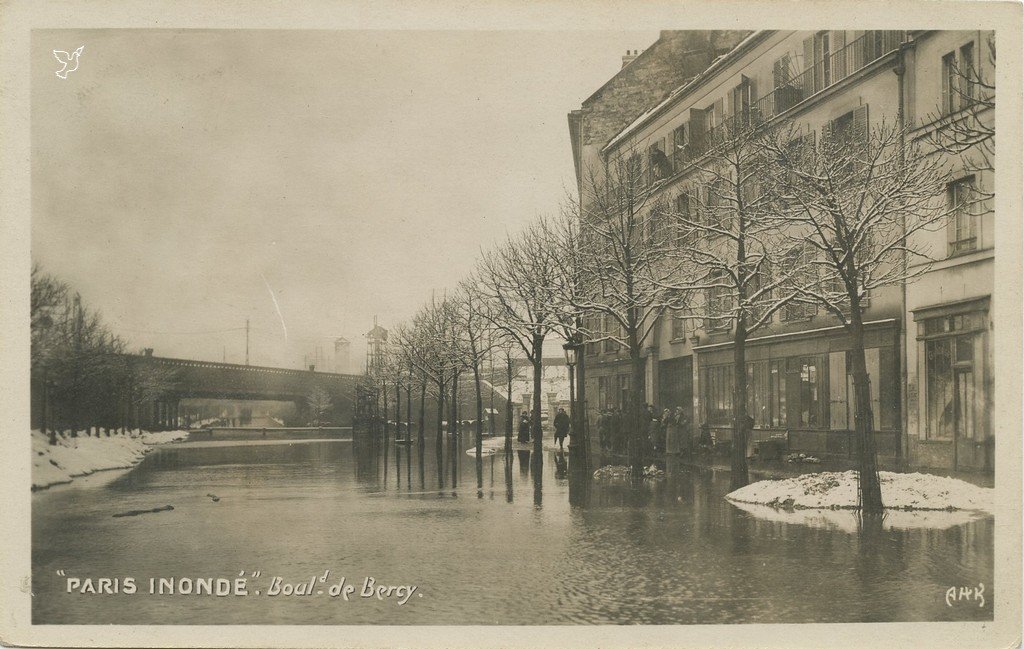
(628, 57)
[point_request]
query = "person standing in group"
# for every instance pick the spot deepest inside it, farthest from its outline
(524, 429)
(615, 431)
(561, 427)
(602, 430)
(668, 431)
(684, 434)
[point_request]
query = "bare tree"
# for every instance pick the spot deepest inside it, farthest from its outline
(471, 309)
(728, 233)
(517, 280)
(628, 274)
(319, 402)
(854, 203)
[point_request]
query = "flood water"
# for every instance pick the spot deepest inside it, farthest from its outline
(514, 552)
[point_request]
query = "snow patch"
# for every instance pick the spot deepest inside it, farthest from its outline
(72, 457)
(838, 490)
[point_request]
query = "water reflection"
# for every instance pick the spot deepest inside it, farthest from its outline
(663, 552)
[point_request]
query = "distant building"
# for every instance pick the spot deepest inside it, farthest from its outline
(342, 355)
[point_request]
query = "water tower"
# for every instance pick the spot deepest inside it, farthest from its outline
(376, 339)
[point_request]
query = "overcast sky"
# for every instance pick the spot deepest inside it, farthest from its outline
(184, 180)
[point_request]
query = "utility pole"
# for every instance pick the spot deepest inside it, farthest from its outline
(247, 341)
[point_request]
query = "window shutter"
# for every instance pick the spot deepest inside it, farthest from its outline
(839, 67)
(860, 125)
(826, 133)
(809, 66)
(951, 220)
(698, 128)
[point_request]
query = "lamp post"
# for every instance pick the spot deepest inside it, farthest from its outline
(579, 444)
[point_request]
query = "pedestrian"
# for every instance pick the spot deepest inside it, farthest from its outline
(653, 442)
(561, 427)
(685, 438)
(704, 443)
(524, 428)
(670, 423)
(602, 430)
(615, 430)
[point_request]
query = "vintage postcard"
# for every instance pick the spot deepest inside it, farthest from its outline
(564, 324)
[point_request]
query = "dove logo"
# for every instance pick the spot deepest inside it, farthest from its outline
(69, 61)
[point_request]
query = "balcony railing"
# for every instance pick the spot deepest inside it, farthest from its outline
(791, 90)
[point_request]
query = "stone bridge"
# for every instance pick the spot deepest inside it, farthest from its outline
(203, 379)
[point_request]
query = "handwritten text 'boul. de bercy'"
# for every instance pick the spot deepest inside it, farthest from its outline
(341, 588)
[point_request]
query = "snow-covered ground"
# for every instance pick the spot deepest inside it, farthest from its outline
(848, 520)
(82, 455)
(838, 490)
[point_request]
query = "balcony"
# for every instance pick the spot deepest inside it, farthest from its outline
(793, 89)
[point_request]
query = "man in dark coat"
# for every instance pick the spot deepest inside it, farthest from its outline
(561, 427)
(524, 428)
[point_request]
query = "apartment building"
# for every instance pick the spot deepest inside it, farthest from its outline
(927, 341)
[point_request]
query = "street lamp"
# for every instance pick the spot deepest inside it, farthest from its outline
(571, 349)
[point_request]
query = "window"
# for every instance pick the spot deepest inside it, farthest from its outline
(782, 71)
(685, 234)
(658, 224)
(658, 166)
(806, 388)
(740, 101)
(718, 303)
(592, 326)
(758, 304)
(679, 147)
(678, 326)
(962, 226)
(822, 60)
(968, 76)
(959, 79)
(718, 395)
(797, 264)
(610, 326)
(717, 203)
(953, 351)
(949, 83)
(786, 90)
(634, 171)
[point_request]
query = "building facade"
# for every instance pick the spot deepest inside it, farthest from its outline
(927, 341)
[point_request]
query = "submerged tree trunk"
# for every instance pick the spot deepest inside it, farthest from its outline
(508, 411)
(636, 412)
(867, 463)
(538, 369)
(740, 426)
(439, 443)
(479, 427)
(453, 431)
(420, 441)
(408, 429)
(387, 430)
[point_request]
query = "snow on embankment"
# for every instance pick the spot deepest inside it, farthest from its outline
(77, 456)
(835, 490)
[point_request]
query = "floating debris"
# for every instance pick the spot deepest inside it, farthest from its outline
(613, 472)
(136, 512)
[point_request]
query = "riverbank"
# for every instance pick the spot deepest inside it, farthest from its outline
(73, 457)
(839, 490)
